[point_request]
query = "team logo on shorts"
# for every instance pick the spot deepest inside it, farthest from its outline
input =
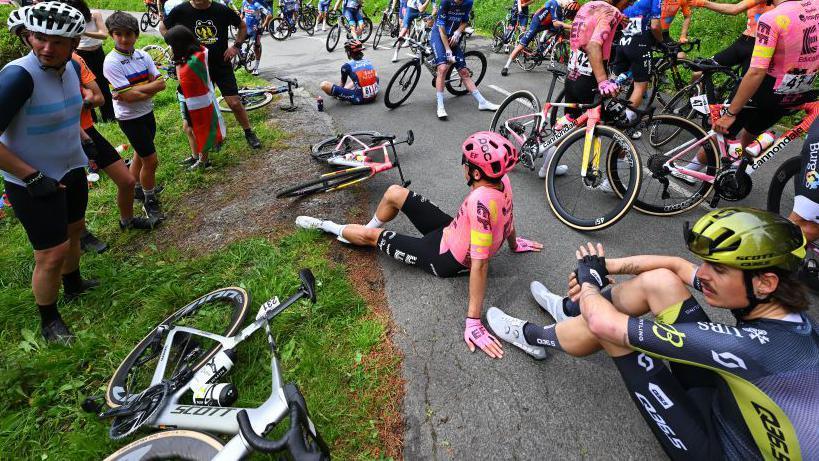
(812, 179)
(206, 32)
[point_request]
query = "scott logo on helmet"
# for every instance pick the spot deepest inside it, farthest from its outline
(755, 260)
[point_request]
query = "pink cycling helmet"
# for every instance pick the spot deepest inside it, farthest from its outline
(489, 152)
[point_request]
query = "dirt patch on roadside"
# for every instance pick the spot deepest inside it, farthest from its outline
(244, 204)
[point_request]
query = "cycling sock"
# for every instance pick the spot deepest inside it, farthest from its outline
(541, 336)
(479, 97)
(375, 223)
(72, 282)
(572, 308)
(439, 96)
(631, 115)
(48, 313)
(256, 64)
(508, 61)
(331, 227)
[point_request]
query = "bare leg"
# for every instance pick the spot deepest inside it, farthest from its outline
(467, 79)
(391, 203)
(136, 166)
(191, 139)
(360, 235)
(327, 87)
(45, 280)
(125, 187)
(238, 110)
(147, 174)
(72, 256)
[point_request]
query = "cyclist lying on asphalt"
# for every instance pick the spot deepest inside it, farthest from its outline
(359, 81)
(732, 392)
(450, 246)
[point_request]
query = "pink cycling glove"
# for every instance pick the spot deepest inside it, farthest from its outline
(476, 334)
(523, 245)
(608, 87)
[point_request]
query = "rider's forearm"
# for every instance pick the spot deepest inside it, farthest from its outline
(162, 29)
(725, 8)
(603, 319)
(656, 30)
(635, 265)
(478, 274)
(747, 87)
(512, 239)
(13, 164)
(595, 52)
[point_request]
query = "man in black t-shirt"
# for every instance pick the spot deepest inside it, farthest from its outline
(210, 22)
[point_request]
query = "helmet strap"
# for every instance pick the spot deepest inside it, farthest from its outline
(753, 300)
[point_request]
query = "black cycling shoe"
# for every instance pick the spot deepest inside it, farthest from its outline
(57, 332)
(139, 194)
(505, 71)
(89, 243)
(153, 209)
(86, 285)
(252, 140)
(189, 161)
(138, 222)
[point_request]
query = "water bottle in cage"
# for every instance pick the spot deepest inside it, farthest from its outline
(762, 142)
(216, 395)
(214, 369)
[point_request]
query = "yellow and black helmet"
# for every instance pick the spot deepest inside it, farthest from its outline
(747, 239)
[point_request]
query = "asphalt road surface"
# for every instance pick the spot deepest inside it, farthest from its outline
(467, 406)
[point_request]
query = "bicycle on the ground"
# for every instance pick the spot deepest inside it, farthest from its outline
(150, 18)
(353, 153)
(406, 78)
(390, 24)
(334, 35)
(259, 96)
(181, 356)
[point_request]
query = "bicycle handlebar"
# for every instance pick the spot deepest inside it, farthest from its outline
(289, 81)
(673, 47)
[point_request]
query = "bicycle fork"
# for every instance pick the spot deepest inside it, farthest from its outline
(592, 148)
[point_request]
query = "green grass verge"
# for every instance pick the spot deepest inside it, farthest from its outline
(324, 347)
(124, 5)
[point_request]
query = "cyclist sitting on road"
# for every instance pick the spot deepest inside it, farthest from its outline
(256, 16)
(451, 20)
(634, 49)
(362, 86)
(414, 9)
(553, 16)
(354, 14)
(732, 392)
(289, 9)
(451, 246)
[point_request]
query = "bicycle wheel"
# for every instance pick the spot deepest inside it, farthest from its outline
(527, 59)
(663, 193)
(327, 182)
(159, 54)
(519, 104)
(178, 444)
(144, 22)
(332, 18)
(559, 55)
(251, 100)
(250, 59)
(332, 38)
(402, 84)
(153, 19)
(367, 31)
(783, 186)
(279, 29)
(497, 36)
(475, 65)
(584, 203)
(208, 313)
(326, 148)
(379, 31)
(307, 21)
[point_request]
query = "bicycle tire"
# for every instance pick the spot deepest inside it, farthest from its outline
(144, 21)
(456, 86)
(367, 31)
(153, 19)
(307, 21)
(518, 104)
(332, 18)
(683, 195)
(279, 29)
(250, 102)
(332, 38)
(379, 31)
(497, 36)
(177, 444)
(325, 149)
(620, 206)
(787, 173)
(250, 59)
(407, 78)
(326, 182)
(526, 60)
(118, 390)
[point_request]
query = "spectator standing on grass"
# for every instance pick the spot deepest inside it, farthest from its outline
(90, 49)
(135, 80)
(41, 157)
(210, 23)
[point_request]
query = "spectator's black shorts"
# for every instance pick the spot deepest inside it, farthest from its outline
(140, 132)
(46, 219)
(223, 77)
(106, 153)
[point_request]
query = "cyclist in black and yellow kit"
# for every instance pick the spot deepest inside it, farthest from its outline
(749, 391)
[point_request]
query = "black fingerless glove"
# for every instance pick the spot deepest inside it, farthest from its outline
(40, 185)
(592, 269)
(90, 149)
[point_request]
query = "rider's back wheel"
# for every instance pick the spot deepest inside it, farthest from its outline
(327, 182)
(402, 84)
(498, 33)
(663, 137)
(584, 203)
(326, 148)
(144, 22)
(512, 116)
(475, 65)
(527, 59)
(783, 186)
(178, 444)
(279, 29)
(367, 31)
(221, 311)
(251, 100)
(379, 32)
(332, 38)
(250, 59)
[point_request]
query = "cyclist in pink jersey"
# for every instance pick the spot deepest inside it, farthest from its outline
(450, 246)
(739, 52)
(783, 69)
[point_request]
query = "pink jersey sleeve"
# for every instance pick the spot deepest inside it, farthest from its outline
(787, 46)
(481, 209)
(767, 37)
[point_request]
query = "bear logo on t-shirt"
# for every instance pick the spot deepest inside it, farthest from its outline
(206, 32)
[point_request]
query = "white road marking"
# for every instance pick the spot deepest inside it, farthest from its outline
(507, 94)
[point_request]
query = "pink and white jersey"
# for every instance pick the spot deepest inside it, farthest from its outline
(482, 224)
(596, 21)
(787, 45)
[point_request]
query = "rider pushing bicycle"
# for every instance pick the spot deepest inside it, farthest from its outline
(359, 81)
(450, 246)
(354, 13)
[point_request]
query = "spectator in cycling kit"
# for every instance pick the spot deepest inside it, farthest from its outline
(134, 81)
(552, 17)
(210, 23)
(413, 9)
(359, 81)
(41, 155)
(739, 52)
(669, 11)
(323, 8)
(256, 16)
(634, 48)
(782, 72)
(451, 20)
(450, 246)
(744, 391)
(354, 14)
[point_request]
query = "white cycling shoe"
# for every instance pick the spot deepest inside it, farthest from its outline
(547, 154)
(442, 115)
(550, 302)
(510, 329)
(309, 222)
(486, 105)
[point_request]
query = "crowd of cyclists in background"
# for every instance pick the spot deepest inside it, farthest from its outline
(743, 392)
